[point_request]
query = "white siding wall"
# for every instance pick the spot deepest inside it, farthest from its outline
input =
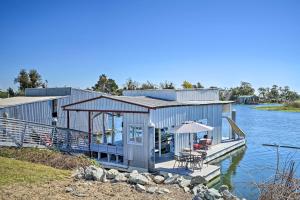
(174, 116)
(197, 95)
(140, 153)
(78, 120)
(177, 95)
(159, 94)
(40, 112)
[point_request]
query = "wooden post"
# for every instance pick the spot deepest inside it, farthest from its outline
(159, 142)
(233, 117)
(90, 132)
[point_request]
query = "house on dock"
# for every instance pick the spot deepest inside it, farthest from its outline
(248, 99)
(144, 140)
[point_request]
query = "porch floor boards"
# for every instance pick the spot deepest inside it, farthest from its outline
(209, 172)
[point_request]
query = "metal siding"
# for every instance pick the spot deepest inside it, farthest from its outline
(159, 94)
(39, 112)
(108, 104)
(174, 116)
(140, 152)
(197, 95)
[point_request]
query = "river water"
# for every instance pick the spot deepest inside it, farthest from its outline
(257, 163)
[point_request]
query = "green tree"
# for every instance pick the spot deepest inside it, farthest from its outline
(148, 85)
(23, 80)
(262, 93)
(187, 85)
(131, 85)
(198, 85)
(167, 85)
(11, 92)
(35, 79)
(106, 85)
(245, 88)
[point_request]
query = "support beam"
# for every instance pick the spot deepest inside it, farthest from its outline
(103, 129)
(233, 117)
(113, 130)
(159, 142)
(90, 132)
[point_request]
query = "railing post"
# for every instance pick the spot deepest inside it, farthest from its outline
(22, 136)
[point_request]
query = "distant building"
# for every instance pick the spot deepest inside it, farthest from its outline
(248, 99)
(43, 105)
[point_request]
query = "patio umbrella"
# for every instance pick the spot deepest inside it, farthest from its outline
(191, 127)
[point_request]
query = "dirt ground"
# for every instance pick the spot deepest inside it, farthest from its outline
(86, 190)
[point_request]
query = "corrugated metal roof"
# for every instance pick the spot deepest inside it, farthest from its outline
(150, 102)
(14, 101)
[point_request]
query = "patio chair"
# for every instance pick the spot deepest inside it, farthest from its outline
(198, 161)
(181, 160)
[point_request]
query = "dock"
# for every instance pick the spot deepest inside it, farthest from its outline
(209, 171)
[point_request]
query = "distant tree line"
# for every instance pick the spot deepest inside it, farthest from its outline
(274, 94)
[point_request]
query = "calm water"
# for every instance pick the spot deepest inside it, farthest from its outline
(256, 163)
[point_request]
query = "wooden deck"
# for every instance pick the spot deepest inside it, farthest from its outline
(209, 172)
(223, 148)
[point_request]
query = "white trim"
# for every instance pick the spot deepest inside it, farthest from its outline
(128, 134)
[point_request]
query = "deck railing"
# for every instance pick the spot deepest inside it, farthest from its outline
(20, 133)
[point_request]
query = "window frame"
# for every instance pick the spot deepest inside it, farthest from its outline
(141, 126)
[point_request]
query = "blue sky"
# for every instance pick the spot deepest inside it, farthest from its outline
(218, 43)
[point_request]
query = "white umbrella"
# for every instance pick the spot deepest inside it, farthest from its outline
(190, 127)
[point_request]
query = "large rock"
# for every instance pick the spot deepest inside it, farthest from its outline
(94, 173)
(198, 197)
(199, 189)
(112, 173)
(120, 178)
(137, 178)
(140, 188)
(212, 194)
(184, 182)
(228, 196)
(198, 180)
(78, 173)
(223, 187)
(152, 190)
(172, 180)
(163, 191)
(158, 179)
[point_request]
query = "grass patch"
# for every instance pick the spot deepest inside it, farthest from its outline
(16, 171)
(283, 108)
(46, 157)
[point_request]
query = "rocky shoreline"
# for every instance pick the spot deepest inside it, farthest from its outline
(153, 184)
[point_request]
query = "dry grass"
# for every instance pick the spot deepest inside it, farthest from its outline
(283, 186)
(46, 157)
(15, 171)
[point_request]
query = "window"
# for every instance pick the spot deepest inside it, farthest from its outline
(135, 135)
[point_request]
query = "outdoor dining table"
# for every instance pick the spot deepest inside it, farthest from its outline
(190, 155)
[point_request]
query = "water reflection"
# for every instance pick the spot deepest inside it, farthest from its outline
(229, 167)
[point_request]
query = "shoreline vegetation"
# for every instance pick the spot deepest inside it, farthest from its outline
(288, 107)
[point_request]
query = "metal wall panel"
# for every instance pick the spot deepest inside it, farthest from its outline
(139, 153)
(174, 116)
(159, 94)
(108, 104)
(197, 95)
